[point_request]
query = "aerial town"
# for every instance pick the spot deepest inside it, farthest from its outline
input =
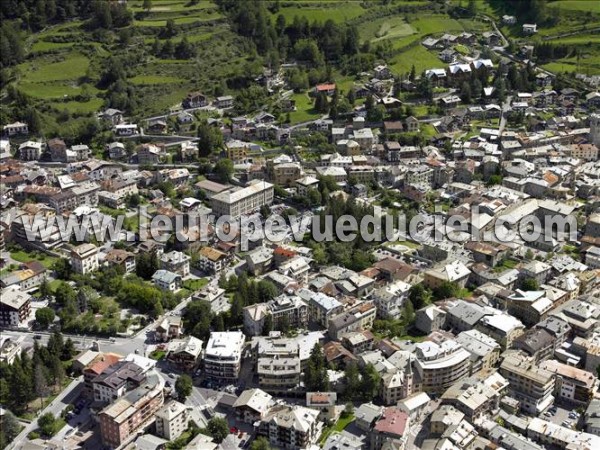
(299, 225)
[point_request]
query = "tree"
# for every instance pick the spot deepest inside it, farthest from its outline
(44, 317)
(267, 325)
(210, 139)
(465, 92)
(10, 428)
(408, 315)
(370, 382)
(218, 429)
(348, 410)
(68, 350)
(145, 265)
(413, 73)
(266, 290)
(260, 443)
(494, 179)
(44, 288)
(48, 424)
(530, 284)
(55, 344)
(419, 296)
(62, 268)
(224, 169)
(40, 382)
(183, 387)
(321, 103)
(147, 6)
(352, 378)
(316, 377)
(472, 8)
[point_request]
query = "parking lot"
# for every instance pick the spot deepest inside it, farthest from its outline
(560, 416)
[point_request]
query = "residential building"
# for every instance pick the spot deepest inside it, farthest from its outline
(172, 420)
(15, 307)
(366, 415)
(223, 355)
(440, 365)
(176, 262)
(390, 299)
(185, 354)
(552, 435)
(237, 151)
(360, 317)
(574, 386)
(30, 150)
(501, 327)
(291, 427)
(241, 201)
(321, 307)
(485, 351)
(167, 281)
(134, 411)
(84, 259)
(252, 405)
(531, 385)
(212, 260)
(278, 374)
(415, 406)
(477, 396)
(537, 343)
(325, 402)
(430, 318)
(285, 310)
(116, 380)
(29, 276)
(9, 350)
(169, 328)
(393, 425)
(121, 258)
(455, 272)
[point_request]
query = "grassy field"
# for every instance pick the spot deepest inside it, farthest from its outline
(69, 67)
(576, 5)
(419, 56)
(385, 28)
(154, 79)
(24, 256)
(337, 11)
(304, 109)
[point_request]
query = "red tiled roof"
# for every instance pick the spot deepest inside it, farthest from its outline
(392, 422)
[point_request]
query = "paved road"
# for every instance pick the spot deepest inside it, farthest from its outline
(65, 398)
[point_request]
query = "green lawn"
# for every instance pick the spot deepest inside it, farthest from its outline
(24, 256)
(339, 426)
(195, 285)
(419, 56)
(304, 109)
(158, 354)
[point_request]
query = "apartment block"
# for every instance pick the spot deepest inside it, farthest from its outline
(223, 354)
(172, 420)
(241, 201)
(120, 420)
(84, 258)
(533, 386)
(441, 365)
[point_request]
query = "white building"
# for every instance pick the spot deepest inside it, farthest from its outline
(84, 258)
(172, 420)
(238, 202)
(223, 354)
